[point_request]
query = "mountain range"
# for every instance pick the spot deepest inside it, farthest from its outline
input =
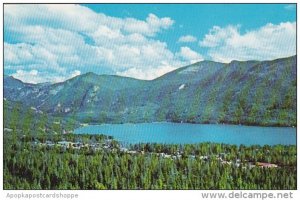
(239, 92)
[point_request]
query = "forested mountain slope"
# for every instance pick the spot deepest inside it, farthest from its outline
(248, 92)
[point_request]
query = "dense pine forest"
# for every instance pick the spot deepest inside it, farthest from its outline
(40, 167)
(38, 156)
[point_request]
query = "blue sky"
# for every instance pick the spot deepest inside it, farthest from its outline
(197, 19)
(56, 42)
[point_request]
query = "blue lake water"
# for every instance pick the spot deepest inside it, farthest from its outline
(175, 133)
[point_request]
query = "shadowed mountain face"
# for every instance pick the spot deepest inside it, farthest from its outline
(250, 92)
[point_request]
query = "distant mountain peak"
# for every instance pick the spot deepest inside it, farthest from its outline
(90, 74)
(7, 77)
(206, 62)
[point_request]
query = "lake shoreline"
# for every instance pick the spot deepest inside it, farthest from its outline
(175, 122)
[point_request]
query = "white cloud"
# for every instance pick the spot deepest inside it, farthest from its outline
(104, 31)
(150, 27)
(64, 38)
(147, 74)
(79, 18)
(34, 76)
(187, 38)
(28, 55)
(268, 42)
(218, 35)
(189, 55)
(75, 73)
(27, 76)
